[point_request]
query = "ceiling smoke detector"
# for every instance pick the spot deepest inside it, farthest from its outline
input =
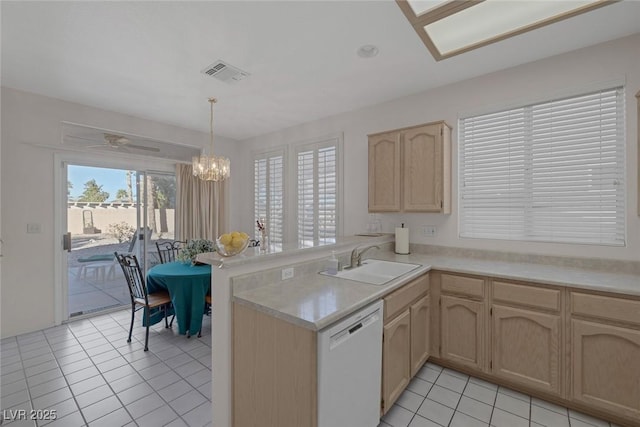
(225, 72)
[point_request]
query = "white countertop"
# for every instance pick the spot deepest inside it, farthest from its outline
(316, 301)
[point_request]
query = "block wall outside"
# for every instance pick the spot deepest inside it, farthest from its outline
(104, 216)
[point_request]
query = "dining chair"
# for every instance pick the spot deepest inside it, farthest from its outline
(140, 298)
(167, 251)
(207, 310)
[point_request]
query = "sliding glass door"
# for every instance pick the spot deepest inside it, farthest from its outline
(112, 210)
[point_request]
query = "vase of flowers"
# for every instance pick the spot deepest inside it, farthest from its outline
(194, 247)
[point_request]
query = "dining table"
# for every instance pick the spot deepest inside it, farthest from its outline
(187, 286)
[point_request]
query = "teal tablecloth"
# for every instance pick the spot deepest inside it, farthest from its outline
(187, 285)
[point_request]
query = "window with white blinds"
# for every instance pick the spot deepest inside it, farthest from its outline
(269, 194)
(552, 171)
(317, 193)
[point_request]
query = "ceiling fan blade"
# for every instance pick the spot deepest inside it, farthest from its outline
(84, 139)
(142, 147)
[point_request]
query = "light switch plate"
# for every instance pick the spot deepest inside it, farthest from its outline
(33, 228)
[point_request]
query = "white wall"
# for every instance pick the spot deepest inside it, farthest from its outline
(583, 69)
(27, 188)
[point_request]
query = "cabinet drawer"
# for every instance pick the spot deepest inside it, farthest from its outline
(530, 296)
(470, 286)
(396, 301)
(611, 308)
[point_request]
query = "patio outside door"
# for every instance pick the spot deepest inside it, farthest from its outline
(112, 210)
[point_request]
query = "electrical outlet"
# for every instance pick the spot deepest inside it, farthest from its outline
(287, 273)
(429, 230)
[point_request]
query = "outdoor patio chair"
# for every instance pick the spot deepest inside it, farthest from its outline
(167, 251)
(140, 298)
(101, 262)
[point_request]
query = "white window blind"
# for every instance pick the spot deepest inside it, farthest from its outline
(269, 194)
(552, 171)
(317, 188)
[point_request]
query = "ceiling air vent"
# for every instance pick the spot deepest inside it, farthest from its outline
(225, 72)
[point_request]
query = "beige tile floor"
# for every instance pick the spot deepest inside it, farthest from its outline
(439, 397)
(87, 372)
(91, 376)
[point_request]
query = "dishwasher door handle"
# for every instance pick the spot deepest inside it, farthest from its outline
(350, 331)
(355, 328)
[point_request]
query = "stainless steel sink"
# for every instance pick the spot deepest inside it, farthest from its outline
(375, 271)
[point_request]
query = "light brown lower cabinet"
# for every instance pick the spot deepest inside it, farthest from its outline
(420, 323)
(526, 347)
(462, 323)
(396, 366)
(606, 367)
(405, 343)
(571, 346)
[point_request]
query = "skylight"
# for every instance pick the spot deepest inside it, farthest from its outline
(449, 28)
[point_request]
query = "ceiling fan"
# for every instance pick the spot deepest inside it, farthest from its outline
(117, 142)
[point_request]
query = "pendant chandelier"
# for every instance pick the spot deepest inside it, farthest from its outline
(209, 167)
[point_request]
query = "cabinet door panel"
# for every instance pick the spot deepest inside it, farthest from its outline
(420, 313)
(396, 370)
(606, 367)
(526, 347)
(384, 172)
(462, 331)
(422, 169)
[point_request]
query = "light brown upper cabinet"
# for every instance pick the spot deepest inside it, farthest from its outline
(410, 169)
(384, 172)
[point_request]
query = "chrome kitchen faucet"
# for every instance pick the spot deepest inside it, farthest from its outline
(356, 257)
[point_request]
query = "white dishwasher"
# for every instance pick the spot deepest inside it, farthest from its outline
(350, 370)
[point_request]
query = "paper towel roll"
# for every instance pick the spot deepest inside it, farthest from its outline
(402, 240)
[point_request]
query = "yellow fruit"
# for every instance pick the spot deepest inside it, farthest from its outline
(235, 234)
(225, 239)
(237, 242)
(244, 235)
(228, 248)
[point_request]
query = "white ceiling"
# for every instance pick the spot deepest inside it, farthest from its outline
(145, 58)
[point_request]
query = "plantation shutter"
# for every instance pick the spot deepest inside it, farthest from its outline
(269, 194)
(317, 193)
(552, 171)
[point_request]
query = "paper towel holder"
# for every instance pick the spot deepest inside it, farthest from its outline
(402, 239)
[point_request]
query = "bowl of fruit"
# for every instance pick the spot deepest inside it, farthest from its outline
(230, 244)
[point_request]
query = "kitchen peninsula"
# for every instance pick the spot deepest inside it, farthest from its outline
(561, 310)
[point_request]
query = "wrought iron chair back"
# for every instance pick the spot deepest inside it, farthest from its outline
(133, 275)
(167, 251)
(140, 298)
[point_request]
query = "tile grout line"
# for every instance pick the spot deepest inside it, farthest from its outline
(137, 371)
(458, 404)
(83, 353)
(35, 424)
(64, 376)
(493, 407)
(427, 395)
(144, 380)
